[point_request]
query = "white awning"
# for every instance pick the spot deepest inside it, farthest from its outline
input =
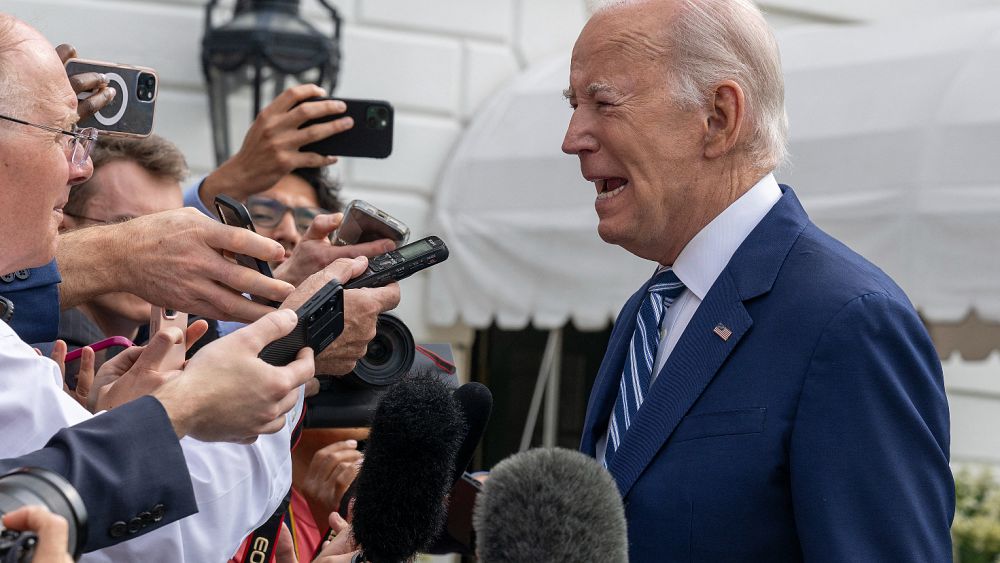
(895, 143)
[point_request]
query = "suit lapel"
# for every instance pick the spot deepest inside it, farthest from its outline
(689, 369)
(700, 352)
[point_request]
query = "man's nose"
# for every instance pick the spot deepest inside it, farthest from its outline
(80, 173)
(578, 138)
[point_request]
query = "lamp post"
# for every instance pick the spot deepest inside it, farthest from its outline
(264, 44)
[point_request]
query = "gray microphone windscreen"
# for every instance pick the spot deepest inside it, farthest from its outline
(550, 504)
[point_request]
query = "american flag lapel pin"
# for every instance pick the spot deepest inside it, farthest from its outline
(722, 331)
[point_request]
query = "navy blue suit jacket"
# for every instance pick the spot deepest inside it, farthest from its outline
(35, 294)
(818, 431)
(127, 466)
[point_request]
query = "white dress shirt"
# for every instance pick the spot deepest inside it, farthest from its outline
(701, 262)
(236, 487)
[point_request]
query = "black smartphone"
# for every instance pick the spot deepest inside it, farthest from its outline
(363, 222)
(370, 137)
(321, 320)
(130, 113)
(401, 263)
(235, 214)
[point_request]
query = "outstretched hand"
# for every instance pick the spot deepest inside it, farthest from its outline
(315, 251)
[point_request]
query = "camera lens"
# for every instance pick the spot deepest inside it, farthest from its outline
(372, 122)
(390, 354)
(43, 487)
(382, 112)
(146, 89)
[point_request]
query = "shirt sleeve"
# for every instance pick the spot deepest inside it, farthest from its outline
(192, 198)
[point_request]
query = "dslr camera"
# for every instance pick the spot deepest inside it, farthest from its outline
(349, 401)
(36, 486)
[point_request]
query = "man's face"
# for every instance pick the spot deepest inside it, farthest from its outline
(292, 191)
(36, 173)
(124, 190)
(641, 152)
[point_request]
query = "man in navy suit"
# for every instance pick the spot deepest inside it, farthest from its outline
(768, 395)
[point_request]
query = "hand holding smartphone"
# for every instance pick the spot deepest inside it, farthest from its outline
(401, 263)
(103, 349)
(130, 112)
(363, 222)
(160, 318)
(371, 136)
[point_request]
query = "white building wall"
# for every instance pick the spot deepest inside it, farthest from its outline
(436, 61)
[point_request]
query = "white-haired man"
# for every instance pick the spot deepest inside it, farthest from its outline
(768, 395)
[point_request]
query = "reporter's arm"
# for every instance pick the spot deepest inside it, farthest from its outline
(171, 259)
(271, 147)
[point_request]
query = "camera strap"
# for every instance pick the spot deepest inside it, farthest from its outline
(261, 545)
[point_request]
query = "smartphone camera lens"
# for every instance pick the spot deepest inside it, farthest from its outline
(377, 117)
(146, 90)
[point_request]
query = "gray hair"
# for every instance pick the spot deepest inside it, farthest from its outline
(12, 91)
(715, 40)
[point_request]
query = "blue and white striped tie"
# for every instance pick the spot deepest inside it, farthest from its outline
(662, 292)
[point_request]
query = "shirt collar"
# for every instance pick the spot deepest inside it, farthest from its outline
(707, 254)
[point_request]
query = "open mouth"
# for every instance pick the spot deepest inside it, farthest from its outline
(609, 187)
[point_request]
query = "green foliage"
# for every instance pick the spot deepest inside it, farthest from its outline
(976, 530)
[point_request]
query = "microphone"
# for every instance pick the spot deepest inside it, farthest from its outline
(458, 536)
(400, 491)
(476, 403)
(550, 504)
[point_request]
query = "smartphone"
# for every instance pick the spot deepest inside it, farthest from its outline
(363, 222)
(130, 113)
(235, 214)
(321, 320)
(160, 318)
(371, 136)
(401, 263)
(103, 350)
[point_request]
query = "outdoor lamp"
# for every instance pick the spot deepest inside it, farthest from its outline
(264, 44)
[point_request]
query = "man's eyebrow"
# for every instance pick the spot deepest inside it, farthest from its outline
(595, 87)
(68, 120)
(568, 93)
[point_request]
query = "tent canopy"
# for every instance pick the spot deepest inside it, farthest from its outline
(895, 144)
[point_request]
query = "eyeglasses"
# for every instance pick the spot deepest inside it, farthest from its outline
(268, 213)
(77, 143)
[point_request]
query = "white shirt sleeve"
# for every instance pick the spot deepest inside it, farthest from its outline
(236, 487)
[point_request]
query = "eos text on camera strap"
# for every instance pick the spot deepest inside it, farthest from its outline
(261, 545)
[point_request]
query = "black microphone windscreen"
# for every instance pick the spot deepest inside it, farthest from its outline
(476, 403)
(550, 504)
(399, 505)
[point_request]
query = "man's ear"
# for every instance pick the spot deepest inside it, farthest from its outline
(724, 119)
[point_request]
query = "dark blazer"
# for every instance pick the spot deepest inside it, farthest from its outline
(35, 294)
(128, 467)
(817, 431)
